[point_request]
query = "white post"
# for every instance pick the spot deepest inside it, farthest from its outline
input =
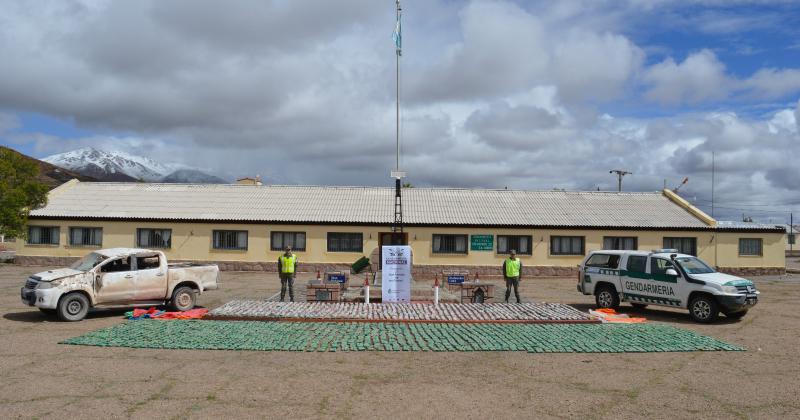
(366, 288)
(436, 290)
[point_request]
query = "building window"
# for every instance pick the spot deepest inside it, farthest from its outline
(750, 246)
(622, 243)
(567, 245)
(154, 238)
(280, 240)
(85, 236)
(230, 239)
(43, 235)
(683, 245)
(519, 243)
(449, 244)
(345, 242)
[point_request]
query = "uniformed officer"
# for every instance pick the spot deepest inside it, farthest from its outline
(512, 267)
(287, 267)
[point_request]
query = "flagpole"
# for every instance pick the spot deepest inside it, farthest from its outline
(397, 174)
(397, 86)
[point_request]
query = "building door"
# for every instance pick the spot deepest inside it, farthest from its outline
(389, 238)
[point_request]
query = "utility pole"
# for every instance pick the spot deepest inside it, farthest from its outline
(713, 170)
(791, 236)
(397, 174)
(620, 173)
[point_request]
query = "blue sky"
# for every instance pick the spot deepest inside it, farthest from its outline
(530, 95)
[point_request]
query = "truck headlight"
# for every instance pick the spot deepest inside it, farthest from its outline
(48, 284)
(730, 289)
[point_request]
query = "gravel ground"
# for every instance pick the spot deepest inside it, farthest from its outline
(44, 379)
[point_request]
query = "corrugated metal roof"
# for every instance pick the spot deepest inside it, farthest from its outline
(365, 205)
(736, 225)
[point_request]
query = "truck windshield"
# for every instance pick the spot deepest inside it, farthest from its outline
(694, 265)
(88, 262)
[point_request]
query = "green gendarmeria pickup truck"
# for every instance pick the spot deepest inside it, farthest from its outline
(667, 278)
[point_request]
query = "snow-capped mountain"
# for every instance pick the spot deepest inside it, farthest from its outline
(192, 176)
(122, 166)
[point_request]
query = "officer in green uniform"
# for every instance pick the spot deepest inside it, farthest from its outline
(512, 267)
(287, 267)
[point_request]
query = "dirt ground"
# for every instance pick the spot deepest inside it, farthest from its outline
(793, 263)
(44, 379)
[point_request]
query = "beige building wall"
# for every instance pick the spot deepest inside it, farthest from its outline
(192, 241)
(773, 254)
(8, 244)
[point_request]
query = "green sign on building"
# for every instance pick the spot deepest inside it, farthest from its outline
(481, 242)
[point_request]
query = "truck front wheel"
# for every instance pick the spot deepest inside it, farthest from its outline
(73, 307)
(606, 297)
(704, 309)
(183, 299)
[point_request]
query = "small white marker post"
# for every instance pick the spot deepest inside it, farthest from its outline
(436, 290)
(366, 288)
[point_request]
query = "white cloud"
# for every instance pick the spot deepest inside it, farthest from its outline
(772, 83)
(494, 93)
(700, 77)
(505, 49)
(785, 119)
(797, 115)
(612, 58)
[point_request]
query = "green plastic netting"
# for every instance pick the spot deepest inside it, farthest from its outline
(330, 336)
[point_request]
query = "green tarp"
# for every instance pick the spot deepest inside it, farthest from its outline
(353, 336)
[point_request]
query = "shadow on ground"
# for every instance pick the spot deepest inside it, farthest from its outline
(654, 313)
(35, 316)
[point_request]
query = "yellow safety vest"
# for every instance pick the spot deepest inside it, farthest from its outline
(288, 264)
(512, 268)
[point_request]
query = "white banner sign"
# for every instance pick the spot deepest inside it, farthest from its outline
(396, 274)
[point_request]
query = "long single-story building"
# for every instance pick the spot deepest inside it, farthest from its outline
(245, 227)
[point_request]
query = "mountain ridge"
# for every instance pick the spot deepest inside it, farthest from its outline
(52, 175)
(119, 166)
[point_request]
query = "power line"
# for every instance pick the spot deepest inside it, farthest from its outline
(751, 205)
(754, 211)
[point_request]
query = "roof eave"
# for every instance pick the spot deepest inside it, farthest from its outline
(386, 224)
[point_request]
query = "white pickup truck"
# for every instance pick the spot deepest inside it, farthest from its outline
(118, 277)
(666, 278)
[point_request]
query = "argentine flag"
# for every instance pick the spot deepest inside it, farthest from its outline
(398, 37)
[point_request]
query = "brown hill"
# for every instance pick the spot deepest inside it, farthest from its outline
(52, 175)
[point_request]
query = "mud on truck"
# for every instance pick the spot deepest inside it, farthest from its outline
(118, 277)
